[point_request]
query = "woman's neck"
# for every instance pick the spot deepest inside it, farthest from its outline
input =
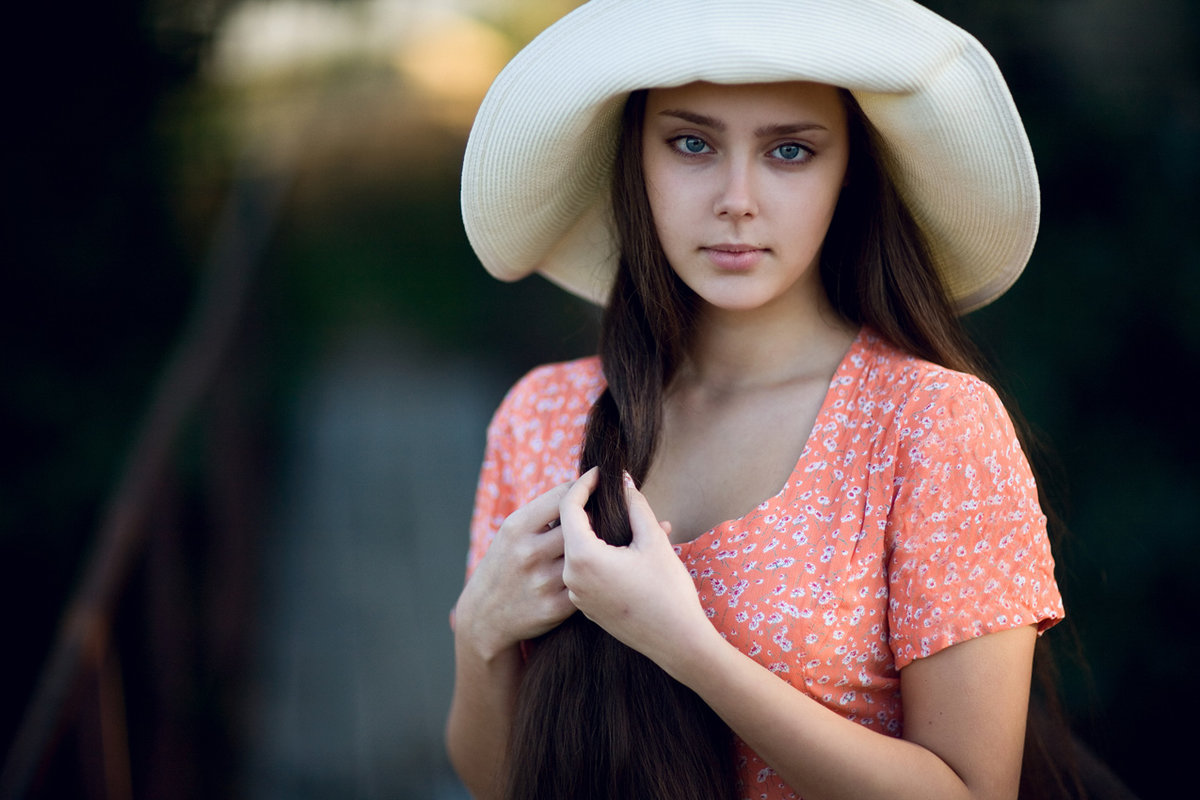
(769, 346)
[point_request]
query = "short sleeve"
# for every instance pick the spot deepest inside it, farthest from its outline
(969, 553)
(495, 495)
(533, 444)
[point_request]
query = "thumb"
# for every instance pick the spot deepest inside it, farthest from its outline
(642, 520)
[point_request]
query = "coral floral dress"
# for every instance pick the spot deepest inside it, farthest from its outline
(909, 523)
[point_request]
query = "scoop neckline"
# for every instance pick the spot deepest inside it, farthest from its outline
(844, 366)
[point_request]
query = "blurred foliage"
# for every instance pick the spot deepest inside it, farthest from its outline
(121, 158)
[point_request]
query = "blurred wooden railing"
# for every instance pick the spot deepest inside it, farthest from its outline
(83, 661)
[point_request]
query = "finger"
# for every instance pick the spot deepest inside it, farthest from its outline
(666, 526)
(549, 582)
(571, 503)
(576, 527)
(563, 607)
(641, 517)
(540, 512)
(550, 543)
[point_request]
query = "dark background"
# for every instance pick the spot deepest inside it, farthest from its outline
(122, 152)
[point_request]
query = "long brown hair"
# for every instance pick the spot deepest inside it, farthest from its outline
(595, 719)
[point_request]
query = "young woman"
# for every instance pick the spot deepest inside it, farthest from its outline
(802, 537)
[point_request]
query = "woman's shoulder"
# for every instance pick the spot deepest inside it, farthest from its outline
(933, 413)
(563, 378)
(564, 385)
(580, 371)
(905, 381)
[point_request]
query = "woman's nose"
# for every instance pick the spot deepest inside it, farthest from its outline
(736, 196)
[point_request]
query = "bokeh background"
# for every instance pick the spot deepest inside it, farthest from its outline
(235, 256)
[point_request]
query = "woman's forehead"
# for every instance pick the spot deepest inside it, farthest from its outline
(782, 100)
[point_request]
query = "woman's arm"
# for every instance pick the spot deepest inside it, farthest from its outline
(964, 722)
(964, 708)
(516, 593)
(481, 715)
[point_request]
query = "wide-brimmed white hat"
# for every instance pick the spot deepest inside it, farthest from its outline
(535, 183)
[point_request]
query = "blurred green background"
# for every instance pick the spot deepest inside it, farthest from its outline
(282, 629)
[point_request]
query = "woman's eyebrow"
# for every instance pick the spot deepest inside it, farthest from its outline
(777, 129)
(694, 118)
(788, 129)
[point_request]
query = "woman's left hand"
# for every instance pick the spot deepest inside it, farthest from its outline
(641, 594)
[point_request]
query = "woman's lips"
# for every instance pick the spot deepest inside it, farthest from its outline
(734, 257)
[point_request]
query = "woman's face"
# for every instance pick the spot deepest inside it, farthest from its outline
(743, 181)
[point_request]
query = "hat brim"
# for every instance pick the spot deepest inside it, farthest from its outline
(539, 158)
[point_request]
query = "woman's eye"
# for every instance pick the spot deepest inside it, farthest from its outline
(691, 145)
(791, 152)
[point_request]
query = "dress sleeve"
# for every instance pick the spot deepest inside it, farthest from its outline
(969, 554)
(495, 494)
(532, 444)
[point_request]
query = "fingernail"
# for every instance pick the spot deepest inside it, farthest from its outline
(627, 479)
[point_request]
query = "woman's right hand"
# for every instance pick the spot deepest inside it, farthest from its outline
(517, 591)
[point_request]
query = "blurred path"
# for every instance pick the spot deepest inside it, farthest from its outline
(356, 668)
